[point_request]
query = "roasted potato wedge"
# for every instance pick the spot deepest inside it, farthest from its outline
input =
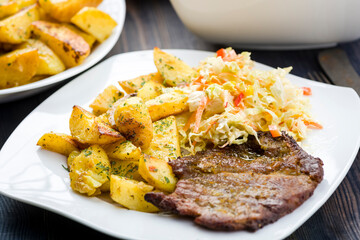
(85, 127)
(133, 85)
(25, 3)
(69, 46)
(133, 120)
(18, 67)
(173, 70)
(123, 151)
(71, 157)
(89, 170)
(7, 8)
(167, 104)
(49, 62)
(158, 173)
(63, 11)
(130, 194)
(15, 29)
(58, 142)
(87, 37)
(105, 100)
(95, 22)
(150, 90)
(125, 168)
(165, 144)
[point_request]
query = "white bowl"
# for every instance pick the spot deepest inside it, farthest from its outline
(272, 24)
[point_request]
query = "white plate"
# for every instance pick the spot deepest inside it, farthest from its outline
(36, 176)
(117, 10)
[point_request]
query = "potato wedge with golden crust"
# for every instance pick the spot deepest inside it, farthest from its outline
(150, 90)
(63, 11)
(87, 37)
(67, 45)
(130, 194)
(89, 170)
(123, 151)
(158, 173)
(15, 29)
(167, 104)
(58, 142)
(125, 168)
(165, 144)
(8, 8)
(86, 128)
(133, 120)
(133, 85)
(173, 70)
(18, 67)
(49, 62)
(95, 22)
(105, 100)
(25, 3)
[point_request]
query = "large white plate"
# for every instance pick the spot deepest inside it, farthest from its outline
(117, 10)
(36, 176)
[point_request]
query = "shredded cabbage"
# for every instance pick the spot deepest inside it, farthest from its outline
(241, 101)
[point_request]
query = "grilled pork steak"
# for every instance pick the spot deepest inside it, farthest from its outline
(242, 187)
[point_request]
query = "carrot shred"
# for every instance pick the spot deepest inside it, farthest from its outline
(199, 113)
(238, 100)
(307, 91)
(275, 132)
(226, 56)
(190, 121)
(313, 125)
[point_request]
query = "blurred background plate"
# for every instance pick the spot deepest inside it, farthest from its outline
(117, 10)
(276, 24)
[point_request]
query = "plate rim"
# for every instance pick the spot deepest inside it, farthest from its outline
(85, 222)
(71, 72)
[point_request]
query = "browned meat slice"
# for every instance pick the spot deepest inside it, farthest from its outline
(242, 186)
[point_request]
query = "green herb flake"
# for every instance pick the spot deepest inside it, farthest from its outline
(66, 168)
(87, 153)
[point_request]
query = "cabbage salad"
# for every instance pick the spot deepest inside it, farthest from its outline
(230, 100)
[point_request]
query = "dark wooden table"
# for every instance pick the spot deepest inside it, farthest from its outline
(154, 23)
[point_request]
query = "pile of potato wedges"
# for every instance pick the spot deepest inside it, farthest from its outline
(124, 143)
(40, 38)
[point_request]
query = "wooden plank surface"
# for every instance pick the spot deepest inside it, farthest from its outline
(154, 23)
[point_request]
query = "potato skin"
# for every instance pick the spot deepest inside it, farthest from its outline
(165, 144)
(150, 90)
(133, 120)
(105, 100)
(95, 22)
(58, 142)
(87, 37)
(63, 11)
(123, 151)
(130, 194)
(49, 62)
(133, 85)
(70, 47)
(8, 8)
(18, 67)
(89, 170)
(126, 168)
(167, 104)
(173, 70)
(158, 173)
(88, 129)
(15, 29)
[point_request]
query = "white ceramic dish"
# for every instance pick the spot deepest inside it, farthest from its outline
(273, 24)
(117, 10)
(36, 176)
